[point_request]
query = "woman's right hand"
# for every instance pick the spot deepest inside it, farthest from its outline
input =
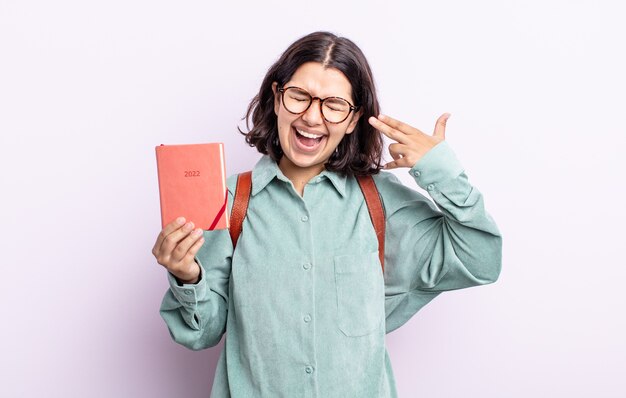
(175, 249)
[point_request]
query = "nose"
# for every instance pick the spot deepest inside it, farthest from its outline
(313, 115)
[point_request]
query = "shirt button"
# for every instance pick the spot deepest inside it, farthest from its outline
(309, 369)
(188, 292)
(304, 218)
(307, 318)
(430, 187)
(306, 265)
(416, 173)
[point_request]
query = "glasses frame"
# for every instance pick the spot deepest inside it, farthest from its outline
(321, 100)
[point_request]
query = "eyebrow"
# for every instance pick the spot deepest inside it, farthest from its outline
(347, 98)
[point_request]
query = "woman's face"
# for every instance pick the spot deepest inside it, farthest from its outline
(307, 140)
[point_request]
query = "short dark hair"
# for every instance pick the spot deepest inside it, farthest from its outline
(358, 153)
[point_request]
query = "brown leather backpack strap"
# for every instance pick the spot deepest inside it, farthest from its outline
(377, 213)
(240, 205)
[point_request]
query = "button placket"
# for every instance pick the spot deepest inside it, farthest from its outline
(308, 305)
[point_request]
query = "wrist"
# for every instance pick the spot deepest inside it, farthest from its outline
(190, 281)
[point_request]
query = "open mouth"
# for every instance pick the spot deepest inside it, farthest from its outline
(308, 140)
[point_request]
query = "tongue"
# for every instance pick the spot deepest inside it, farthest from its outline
(307, 141)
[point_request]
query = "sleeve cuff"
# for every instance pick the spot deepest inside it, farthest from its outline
(188, 294)
(438, 165)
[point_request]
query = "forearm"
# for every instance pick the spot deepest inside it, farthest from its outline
(194, 314)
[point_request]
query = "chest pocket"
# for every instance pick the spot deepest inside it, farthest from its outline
(360, 293)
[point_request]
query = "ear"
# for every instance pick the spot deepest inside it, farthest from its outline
(276, 98)
(353, 122)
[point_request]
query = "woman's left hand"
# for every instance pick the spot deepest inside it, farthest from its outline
(412, 144)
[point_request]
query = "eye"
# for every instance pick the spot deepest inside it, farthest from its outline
(298, 95)
(336, 105)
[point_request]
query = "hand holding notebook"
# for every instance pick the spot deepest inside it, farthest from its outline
(176, 248)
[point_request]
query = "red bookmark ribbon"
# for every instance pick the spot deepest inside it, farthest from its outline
(219, 213)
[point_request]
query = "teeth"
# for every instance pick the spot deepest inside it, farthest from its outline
(308, 135)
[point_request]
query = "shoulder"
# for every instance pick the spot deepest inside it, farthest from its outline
(389, 184)
(231, 183)
(385, 178)
(396, 195)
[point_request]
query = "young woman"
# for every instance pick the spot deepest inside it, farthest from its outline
(303, 298)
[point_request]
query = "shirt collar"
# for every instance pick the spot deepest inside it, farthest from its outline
(338, 181)
(267, 169)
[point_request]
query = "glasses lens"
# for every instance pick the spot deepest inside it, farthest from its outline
(335, 110)
(296, 100)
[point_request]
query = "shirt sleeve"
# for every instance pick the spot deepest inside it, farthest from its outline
(450, 244)
(196, 314)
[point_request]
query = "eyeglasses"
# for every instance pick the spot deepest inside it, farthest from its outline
(334, 109)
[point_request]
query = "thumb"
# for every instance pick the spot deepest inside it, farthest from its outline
(440, 126)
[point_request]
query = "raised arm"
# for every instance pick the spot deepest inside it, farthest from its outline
(433, 248)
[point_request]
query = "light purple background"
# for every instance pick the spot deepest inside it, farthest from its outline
(87, 89)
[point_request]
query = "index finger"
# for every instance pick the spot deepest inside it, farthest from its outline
(398, 125)
(168, 229)
(387, 130)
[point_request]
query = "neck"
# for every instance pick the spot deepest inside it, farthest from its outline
(299, 176)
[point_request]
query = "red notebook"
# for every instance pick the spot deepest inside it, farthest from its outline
(192, 184)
